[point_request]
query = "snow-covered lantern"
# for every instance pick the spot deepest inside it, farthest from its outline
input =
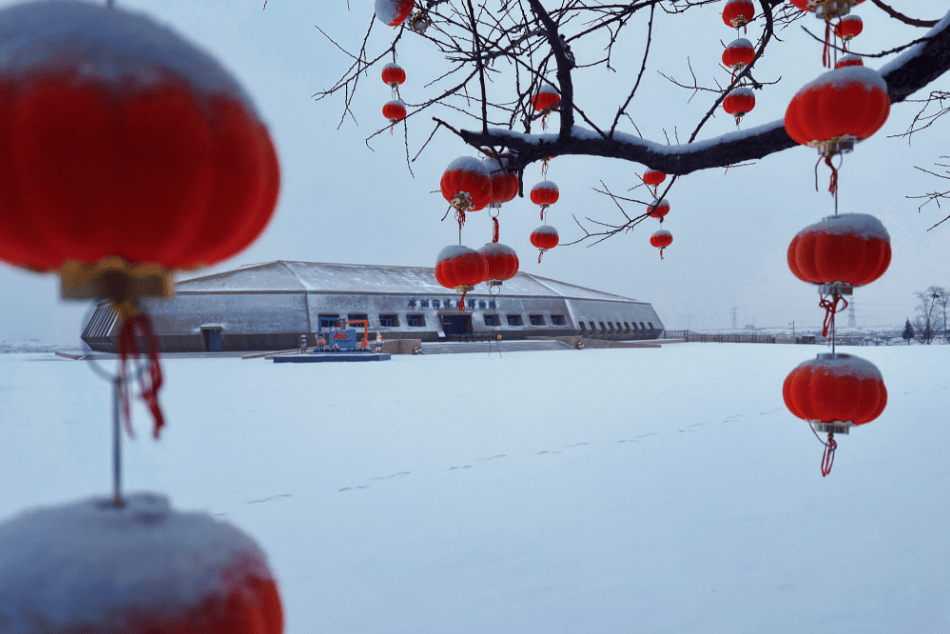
(460, 268)
(739, 102)
(395, 111)
(91, 567)
(738, 54)
(393, 75)
(393, 12)
(849, 60)
(838, 108)
(849, 27)
(827, 10)
(420, 22)
(502, 262)
(544, 238)
(544, 100)
(504, 183)
(653, 178)
(848, 249)
(545, 194)
(661, 239)
(659, 209)
(738, 13)
(466, 185)
(834, 393)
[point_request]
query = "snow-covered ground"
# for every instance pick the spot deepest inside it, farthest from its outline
(607, 491)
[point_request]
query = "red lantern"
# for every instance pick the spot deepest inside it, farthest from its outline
(394, 75)
(393, 12)
(659, 209)
(395, 111)
(460, 268)
(546, 97)
(545, 194)
(466, 184)
(738, 55)
(661, 239)
(827, 9)
(739, 102)
(653, 178)
(142, 567)
(504, 184)
(849, 27)
(502, 262)
(835, 110)
(853, 249)
(849, 60)
(545, 238)
(833, 393)
(738, 13)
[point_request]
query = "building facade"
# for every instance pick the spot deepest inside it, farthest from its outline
(269, 306)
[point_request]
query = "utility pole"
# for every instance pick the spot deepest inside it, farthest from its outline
(793, 331)
(735, 318)
(852, 322)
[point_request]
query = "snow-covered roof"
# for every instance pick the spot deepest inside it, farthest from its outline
(318, 277)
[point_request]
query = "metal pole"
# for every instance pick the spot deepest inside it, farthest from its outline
(117, 443)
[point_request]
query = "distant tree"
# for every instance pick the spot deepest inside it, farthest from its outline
(943, 304)
(501, 53)
(908, 332)
(926, 321)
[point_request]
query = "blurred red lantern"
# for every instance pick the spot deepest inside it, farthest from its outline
(544, 238)
(853, 249)
(659, 209)
(738, 55)
(546, 98)
(661, 239)
(460, 268)
(395, 111)
(142, 567)
(840, 107)
(849, 60)
(420, 22)
(466, 184)
(827, 9)
(394, 75)
(739, 102)
(849, 27)
(393, 12)
(504, 184)
(738, 13)
(653, 178)
(833, 393)
(502, 262)
(545, 194)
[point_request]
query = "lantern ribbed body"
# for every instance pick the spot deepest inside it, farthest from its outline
(502, 261)
(738, 13)
(661, 239)
(659, 208)
(653, 177)
(545, 237)
(504, 184)
(739, 101)
(545, 193)
(853, 249)
(110, 149)
(460, 266)
(394, 110)
(739, 52)
(546, 97)
(393, 74)
(850, 101)
(469, 176)
(849, 27)
(393, 12)
(836, 387)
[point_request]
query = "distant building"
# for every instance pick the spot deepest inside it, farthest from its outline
(269, 306)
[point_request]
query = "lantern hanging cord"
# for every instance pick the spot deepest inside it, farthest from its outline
(828, 458)
(833, 181)
(831, 307)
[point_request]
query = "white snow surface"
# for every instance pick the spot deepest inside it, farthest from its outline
(608, 491)
(662, 232)
(850, 58)
(387, 11)
(467, 164)
(852, 17)
(453, 251)
(107, 44)
(392, 65)
(740, 43)
(864, 226)
(840, 364)
(846, 76)
(741, 91)
(85, 562)
(546, 229)
(545, 185)
(497, 248)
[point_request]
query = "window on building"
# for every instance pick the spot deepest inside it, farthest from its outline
(593, 326)
(389, 321)
(626, 326)
(635, 326)
(515, 320)
(415, 321)
(558, 320)
(642, 326)
(536, 320)
(329, 321)
(602, 326)
(357, 317)
(610, 327)
(583, 327)
(650, 324)
(491, 320)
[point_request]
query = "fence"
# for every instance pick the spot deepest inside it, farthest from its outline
(697, 337)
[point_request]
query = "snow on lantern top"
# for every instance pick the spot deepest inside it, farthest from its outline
(393, 12)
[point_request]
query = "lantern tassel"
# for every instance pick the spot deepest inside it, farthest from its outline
(462, 302)
(460, 217)
(544, 122)
(151, 381)
(833, 181)
(831, 307)
(828, 459)
(544, 168)
(661, 253)
(494, 235)
(826, 52)
(540, 255)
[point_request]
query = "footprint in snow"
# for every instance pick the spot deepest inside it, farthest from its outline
(652, 433)
(468, 466)
(580, 444)
(501, 455)
(278, 498)
(390, 477)
(541, 453)
(623, 441)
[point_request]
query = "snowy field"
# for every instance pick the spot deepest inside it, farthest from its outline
(606, 491)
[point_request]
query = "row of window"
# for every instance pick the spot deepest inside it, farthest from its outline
(419, 320)
(609, 327)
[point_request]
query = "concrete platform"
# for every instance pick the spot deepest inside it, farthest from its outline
(331, 357)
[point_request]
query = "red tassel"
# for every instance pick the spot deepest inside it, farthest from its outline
(494, 235)
(460, 217)
(540, 254)
(833, 184)
(826, 52)
(151, 381)
(462, 302)
(544, 122)
(828, 459)
(831, 307)
(661, 253)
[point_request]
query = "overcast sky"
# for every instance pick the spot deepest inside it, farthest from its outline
(342, 202)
